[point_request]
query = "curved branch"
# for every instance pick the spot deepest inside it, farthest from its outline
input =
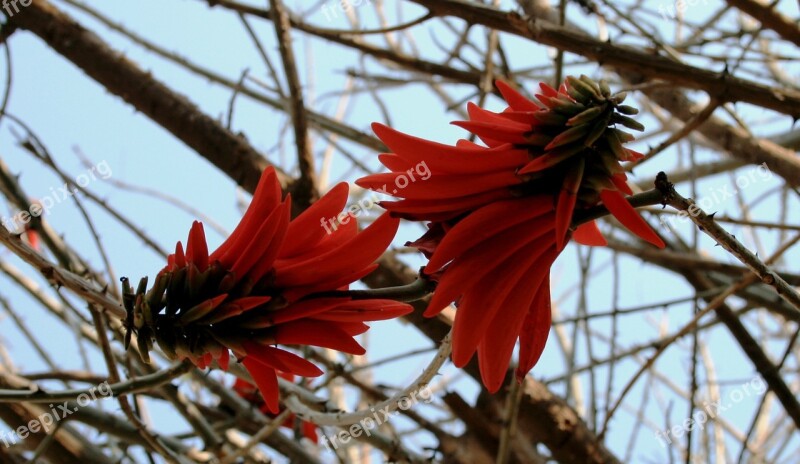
(390, 405)
(126, 387)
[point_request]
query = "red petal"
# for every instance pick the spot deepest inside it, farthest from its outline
(317, 333)
(266, 262)
(619, 181)
(566, 201)
(266, 380)
(306, 229)
(295, 293)
(527, 117)
(351, 328)
(281, 360)
(394, 162)
(479, 307)
(310, 431)
(203, 361)
(634, 155)
(180, 258)
(589, 234)
(550, 159)
(494, 132)
(478, 114)
(358, 253)
(485, 223)
(535, 331)
(267, 196)
(494, 351)
(296, 311)
(234, 308)
(365, 310)
(464, 143)
(443, 186)
(261, 247)
(224, 359)
(515, 100)
(424, 207)
(627, 215)
(441, 158)
(547, 90)
(196, 247)
(469, 268)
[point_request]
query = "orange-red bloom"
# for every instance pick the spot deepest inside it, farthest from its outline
(256, 291)
(500, 214)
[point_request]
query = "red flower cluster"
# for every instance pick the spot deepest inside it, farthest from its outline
(501, 214)
(257, 290)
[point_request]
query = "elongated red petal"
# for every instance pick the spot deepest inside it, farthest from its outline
(306, 229)
(394, 162)
(351, 328)
(566, 201)
(266, 197)
(233, 309)
(619, 181)
(515, 100)
(341, 282)
(484, 223)
(479, 307)
(476, 113)
(317, 333)
(550, 159)
(301, 310)
(443, 186)
(547, 90)
(423, 207)
(525, 117)
(266, 380)
(246, 257)
(341, 233)
(634, 155)
(535, 330)
(351, 257)
(439, 157)
(180, 258)
(589, 234)
(464, 143)
(629, 217)
(470, 268)
(365, 310)
(493, 132)
(196, 247)
(266, 262)
(281, 360)
(494, 351)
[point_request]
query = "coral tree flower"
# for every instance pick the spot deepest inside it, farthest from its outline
(257, 290)
(500, 214)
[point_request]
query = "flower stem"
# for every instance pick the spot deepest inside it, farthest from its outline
(416, 290)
